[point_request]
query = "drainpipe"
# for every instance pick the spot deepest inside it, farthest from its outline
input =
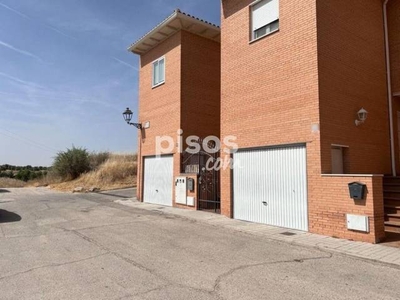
(389, 87)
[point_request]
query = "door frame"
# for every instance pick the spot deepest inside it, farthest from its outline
(143, 175)
(293, 145)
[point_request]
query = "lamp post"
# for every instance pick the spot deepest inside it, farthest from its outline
(127, 114)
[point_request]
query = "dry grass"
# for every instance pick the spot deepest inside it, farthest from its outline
(11, 183)
(49, 179)
(119, 171)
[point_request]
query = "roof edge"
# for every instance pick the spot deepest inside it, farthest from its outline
(177, 14)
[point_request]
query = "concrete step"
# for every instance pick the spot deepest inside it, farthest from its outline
(392, 226)
(393, 218)
(391, 195)
(392, 191)
(391, 183)
(388, 179)
(392, 209)
(387, 187)
(391, 202)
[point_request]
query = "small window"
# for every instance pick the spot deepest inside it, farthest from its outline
(159, 72)
(264, 18)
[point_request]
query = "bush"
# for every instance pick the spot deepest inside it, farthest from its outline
(70, 164)
(97, 159)
(24, 175)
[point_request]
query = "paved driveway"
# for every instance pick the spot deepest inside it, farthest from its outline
(64, 246)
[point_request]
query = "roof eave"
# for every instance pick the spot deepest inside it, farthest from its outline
(153, 31)
(136, 47)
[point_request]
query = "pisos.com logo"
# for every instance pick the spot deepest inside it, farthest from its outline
(193, 145)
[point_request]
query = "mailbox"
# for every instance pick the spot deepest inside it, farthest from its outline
(190, 184)
(357, 190)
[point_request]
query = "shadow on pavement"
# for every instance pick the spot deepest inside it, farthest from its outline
(392, 239)
(4, 191)
(8, 217)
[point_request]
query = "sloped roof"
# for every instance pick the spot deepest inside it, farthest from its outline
(175, 22)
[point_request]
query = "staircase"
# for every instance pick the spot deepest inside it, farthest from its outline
(391, 192)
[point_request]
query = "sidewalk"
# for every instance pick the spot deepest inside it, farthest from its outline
(379, 253)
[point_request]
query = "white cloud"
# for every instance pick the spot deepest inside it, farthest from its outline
(29, 18)
(60, 32)
(23, 52)
(21, 81)
(86, 22)
(15, 11)
(125, 63)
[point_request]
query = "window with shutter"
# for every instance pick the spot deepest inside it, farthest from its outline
(264, 18)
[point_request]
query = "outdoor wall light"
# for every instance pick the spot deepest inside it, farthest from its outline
(362, 116)
(128, 117)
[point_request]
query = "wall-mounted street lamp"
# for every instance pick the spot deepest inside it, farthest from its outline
(362, 116)
(128, 117)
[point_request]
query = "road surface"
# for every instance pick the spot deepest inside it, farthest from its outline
(85, 246)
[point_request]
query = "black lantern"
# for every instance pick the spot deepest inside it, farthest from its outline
(127, 114)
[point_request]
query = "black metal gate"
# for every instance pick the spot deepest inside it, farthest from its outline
(204, 165)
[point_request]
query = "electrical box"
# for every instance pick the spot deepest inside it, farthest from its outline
(358, 223)
(190, 184)
(190, 201)
(181, 190)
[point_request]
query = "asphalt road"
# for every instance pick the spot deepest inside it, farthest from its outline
(69, 246)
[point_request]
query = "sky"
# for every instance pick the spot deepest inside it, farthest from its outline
(66, 75)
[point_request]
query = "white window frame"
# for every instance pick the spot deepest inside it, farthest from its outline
(252, 31)
(153, 83)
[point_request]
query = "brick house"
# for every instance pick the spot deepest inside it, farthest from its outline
(179, 89)
(287, 79)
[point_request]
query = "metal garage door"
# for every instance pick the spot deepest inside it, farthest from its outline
(270, 187)
(158, 180)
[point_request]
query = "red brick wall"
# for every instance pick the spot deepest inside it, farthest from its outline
(201, 85)
(329, 212)
(160, 105)
(269, 87)
(352, 75)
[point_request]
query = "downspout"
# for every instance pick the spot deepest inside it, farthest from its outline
(389, 87)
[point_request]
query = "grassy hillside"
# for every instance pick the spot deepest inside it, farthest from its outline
(108, 171)
(118, 171)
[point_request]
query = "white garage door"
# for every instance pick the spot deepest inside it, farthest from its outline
(158, 180)
(270, 187)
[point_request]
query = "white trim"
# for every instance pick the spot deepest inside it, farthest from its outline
(352, 175)
(261, 37)
(396, 94)
(157, 85)
(339, 146)
(152, 72)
